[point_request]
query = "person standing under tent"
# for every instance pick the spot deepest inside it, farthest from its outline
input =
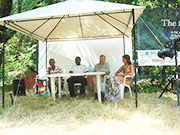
(78, 68)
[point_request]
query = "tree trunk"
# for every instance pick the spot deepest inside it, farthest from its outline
(5, 7)
(135, 2)
(177, 3)
(5, 10)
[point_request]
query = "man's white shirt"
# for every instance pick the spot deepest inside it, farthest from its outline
(79, 69)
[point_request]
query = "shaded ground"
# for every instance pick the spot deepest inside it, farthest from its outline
(82, 116)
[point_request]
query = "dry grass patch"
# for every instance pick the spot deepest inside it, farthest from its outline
(85, 116)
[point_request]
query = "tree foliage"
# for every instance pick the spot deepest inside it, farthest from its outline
(21, 50)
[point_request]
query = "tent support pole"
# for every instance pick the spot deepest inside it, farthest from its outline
(135, 58)
(46, 54)
(124, 44)
(37, 50)
(3, 69)
(177, 81)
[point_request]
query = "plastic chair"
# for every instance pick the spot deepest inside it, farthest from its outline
(103, 84)
(36, 88)
(63, 87)
(77, 86)
(123, 85)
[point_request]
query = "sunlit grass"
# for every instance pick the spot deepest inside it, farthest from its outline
(33, 114)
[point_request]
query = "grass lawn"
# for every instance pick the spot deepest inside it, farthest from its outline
(35, 115)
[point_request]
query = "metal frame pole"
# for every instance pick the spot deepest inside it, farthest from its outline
(124, 44)
(46, 54)
(3, 70)
(37, 62)
(177, 81)
(135, 58)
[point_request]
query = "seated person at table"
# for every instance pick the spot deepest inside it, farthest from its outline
(102, 66)
(78, 68)
(52, 70)
(126, 69)
(112, 92)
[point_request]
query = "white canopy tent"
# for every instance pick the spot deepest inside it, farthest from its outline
(75, 20)
(64, 53)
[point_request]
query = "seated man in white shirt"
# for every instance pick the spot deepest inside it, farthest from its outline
(78, 68)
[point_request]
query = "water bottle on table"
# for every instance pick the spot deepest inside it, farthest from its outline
(90, 68)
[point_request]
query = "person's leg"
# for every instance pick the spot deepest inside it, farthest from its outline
(57, 85)
(49, 84)
(83, 82)
(71, 86)
(90, 82)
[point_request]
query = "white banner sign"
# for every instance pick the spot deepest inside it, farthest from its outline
(150, 58)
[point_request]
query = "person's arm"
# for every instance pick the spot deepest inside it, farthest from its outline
(108, 69)
(107, 73)
(71, 70)
(49, 69)
(95, 68)
(119, 70)
(85, 69)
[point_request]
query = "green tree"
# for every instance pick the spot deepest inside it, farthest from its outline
(20, 49)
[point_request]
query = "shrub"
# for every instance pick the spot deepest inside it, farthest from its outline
(145, 85)
(29, 79)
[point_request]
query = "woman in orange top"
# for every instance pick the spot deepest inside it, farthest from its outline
(112, 90)
(126, 69)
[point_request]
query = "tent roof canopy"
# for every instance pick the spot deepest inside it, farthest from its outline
(75, 19)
